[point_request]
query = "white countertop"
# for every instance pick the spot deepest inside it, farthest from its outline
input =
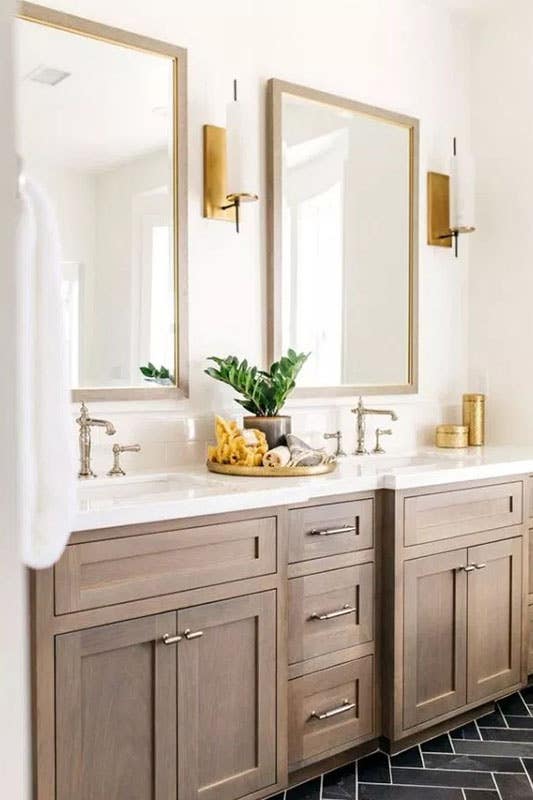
(108, 502)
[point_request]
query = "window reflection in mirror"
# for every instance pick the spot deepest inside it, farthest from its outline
(343, 259)
(96, 131)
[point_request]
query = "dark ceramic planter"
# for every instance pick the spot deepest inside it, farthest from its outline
(274, 428)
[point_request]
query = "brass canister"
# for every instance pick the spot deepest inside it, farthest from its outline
(451, 436)
(474, 418)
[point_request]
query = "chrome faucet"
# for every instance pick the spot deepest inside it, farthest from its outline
(361, 412)
(86, 423)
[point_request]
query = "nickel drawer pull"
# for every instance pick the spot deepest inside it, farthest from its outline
(168, 639)
(331, 531)
(468, 568)
(347, 609)
(346, 706)
(479, 566)
(192, 634)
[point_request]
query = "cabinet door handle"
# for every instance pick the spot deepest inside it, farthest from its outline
(479, 566)
(468, 568)
(346, 706)
(168, 639)
(347, 609)
(331, 531)
(192, 634)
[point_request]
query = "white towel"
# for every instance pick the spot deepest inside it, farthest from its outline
(46, 471)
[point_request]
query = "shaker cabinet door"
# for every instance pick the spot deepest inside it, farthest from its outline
(227, 698)
(116, 711)
(434, 658)
(494, 617)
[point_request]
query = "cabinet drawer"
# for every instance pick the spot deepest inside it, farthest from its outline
(441, 515)
(330, 611)
(530, 496)
(330, 709)
(530, 551)
(326, 530)
(103, 573)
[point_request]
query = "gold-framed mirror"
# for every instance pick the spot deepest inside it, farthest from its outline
(343, 241)
(102, 128)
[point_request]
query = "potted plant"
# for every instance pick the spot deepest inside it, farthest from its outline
(263, 393)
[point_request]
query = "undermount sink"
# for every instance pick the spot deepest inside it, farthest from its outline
(141, 486)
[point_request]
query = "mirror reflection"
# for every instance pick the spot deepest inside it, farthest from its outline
(345, 268)
(95, 130)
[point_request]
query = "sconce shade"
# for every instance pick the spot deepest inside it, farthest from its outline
(238, 181)
(462, 194)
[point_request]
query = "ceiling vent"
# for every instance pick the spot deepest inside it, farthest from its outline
(47, 75)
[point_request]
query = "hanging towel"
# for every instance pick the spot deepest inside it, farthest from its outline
(46, 470)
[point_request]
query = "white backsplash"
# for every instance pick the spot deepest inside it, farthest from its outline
(171, 439)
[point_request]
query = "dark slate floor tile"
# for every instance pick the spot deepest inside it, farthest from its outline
(441, 777)
(409, 758)
(473, 763)
(339, 784)
(440, 744)
(519, 722)
(480, 794)
(513, 705)
(528, 764)
(515, 749)
(514, 787)
(305, 791)
(469, 731)
(493, 720)
(507, 735)
(369, 791)
(527, 694)
(374, 769)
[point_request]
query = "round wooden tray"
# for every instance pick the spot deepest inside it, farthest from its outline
(270, 472)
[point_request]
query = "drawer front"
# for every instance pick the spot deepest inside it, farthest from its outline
(330, 709)
(103, 573)
(330, 611)
(326, 530)
(442, 515)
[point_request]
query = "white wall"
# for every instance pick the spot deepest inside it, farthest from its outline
(405, 55)
(501, 287)
(14, 739)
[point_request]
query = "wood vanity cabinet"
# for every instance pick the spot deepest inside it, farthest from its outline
(454, 601)
(189, 701)
(530, 588)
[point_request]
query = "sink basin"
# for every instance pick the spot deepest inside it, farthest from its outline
(138, 486)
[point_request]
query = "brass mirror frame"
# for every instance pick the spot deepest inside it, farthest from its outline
(275, 90)
(95, 30)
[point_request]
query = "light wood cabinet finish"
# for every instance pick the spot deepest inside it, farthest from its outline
(317, 531)
(530, 640)
(530, 497)
(227, 698)
(494, 617)
(116, 711)
(530, 546)
(102, 573)
(441, 515)
(435, 603)
(326, 594)
(347, 686)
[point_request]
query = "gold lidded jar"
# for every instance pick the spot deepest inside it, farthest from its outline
(451, 436)
(474, 418)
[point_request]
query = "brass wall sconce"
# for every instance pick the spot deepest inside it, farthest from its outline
(449, 204)
(223, 167)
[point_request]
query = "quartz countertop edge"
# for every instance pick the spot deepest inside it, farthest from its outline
(192, 492)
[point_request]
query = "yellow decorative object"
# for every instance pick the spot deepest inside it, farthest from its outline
(474, 418)
(235, 447)
(451, 436)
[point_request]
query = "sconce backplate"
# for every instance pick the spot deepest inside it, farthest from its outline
(215, 175)
(439, 210)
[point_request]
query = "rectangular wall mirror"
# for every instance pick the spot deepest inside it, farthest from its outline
(102, 128)
(343, 241)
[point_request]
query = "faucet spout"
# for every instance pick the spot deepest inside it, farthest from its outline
(361, 413)
(86, 422)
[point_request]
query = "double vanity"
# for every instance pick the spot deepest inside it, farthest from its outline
(213, 637)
